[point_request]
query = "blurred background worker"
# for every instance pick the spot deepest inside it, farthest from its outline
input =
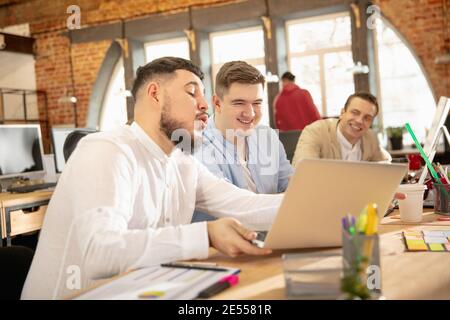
(294, 107)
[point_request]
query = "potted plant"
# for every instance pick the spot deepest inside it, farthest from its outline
(395, 135)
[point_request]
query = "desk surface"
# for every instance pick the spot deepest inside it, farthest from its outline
(12, 199)
(405, 275)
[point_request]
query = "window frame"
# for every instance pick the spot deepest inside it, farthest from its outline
(319, 52)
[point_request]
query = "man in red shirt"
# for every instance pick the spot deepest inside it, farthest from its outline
(294, 107)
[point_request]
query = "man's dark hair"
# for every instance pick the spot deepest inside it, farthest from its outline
(236, 71)
(165, 66)
(288, 76)
(365, 96)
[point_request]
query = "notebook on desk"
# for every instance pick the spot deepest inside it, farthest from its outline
(159, 283)
(321, 192)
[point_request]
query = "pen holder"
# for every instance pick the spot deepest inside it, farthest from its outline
(441, 198)
(313, 275)
(361, 266)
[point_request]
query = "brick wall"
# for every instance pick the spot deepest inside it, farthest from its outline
(420, 21)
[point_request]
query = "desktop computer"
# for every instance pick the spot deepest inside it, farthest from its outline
(59, 135)
(21, 158)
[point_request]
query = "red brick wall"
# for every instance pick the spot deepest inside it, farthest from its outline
(420, 21)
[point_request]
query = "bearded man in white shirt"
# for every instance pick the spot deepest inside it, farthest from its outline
(126, 198)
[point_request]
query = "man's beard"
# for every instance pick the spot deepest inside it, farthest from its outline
(175, 131)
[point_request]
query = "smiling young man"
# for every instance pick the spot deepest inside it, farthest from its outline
(235, 147)
(347, 138)
(126, 198)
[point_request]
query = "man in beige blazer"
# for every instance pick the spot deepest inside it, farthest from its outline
(347, 138)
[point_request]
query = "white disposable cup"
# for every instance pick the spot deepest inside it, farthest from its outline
(411, 208)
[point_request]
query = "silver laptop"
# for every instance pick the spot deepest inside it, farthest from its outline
(320, 193)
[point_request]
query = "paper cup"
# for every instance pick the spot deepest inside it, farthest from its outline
(411, 208)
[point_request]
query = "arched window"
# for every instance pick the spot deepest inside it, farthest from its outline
(403, 91)
(114, 109)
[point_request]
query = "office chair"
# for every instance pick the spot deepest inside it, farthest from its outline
(289, 140)
(72, 140)
(15, 262)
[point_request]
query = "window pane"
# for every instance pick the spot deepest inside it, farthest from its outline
(114, 110)
(251, 50)
(320, 33)
(307, 76)
(323, 42)
(174, 47)
(339, 81)
(237, 45)
(405, 93)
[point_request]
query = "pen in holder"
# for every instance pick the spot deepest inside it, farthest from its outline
(361, 265)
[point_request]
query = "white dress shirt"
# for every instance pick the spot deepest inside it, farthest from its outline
(122, 203)
(349, 152)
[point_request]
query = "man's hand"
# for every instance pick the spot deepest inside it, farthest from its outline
(229, 237)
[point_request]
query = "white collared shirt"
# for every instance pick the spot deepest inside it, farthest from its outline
(349, 152)
(122, 203)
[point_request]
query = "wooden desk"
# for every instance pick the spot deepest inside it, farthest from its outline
(22, 213)
(405, 275)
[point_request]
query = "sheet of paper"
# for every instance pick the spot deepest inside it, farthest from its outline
(158, 283)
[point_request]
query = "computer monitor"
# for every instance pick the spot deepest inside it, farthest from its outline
(59, 135)
(437, 130)
(21, 151)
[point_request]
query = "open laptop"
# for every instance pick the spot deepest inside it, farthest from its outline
(320, 193)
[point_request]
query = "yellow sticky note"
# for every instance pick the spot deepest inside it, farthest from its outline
(416, 245)
(412, 233)
(413, 237)
(436, 247)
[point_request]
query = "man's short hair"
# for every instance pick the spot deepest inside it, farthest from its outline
(288, 76)
(236, 71)
(165, 66)
(365, 96)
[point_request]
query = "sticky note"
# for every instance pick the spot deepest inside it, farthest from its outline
(416, 245)
(435, 239)
(433, 233)
(413, 237)
(412, 233)
(436, 247)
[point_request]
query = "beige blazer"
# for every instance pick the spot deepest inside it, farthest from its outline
(319, 140)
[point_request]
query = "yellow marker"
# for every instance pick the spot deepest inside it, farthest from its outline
(361, 222)
(151, 294)
(372, 219)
